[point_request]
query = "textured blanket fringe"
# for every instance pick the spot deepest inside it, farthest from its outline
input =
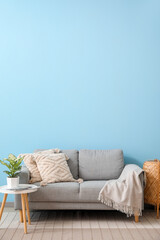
(130, 211)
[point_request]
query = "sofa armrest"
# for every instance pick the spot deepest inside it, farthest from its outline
(24, 177)
(139, 170)
(142, 176)
(142, 179)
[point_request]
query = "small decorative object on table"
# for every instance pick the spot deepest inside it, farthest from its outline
(22, 189)
(152, 189)
(13, 164)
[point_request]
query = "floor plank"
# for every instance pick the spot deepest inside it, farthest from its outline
(105, 231)
(96, 232)
(57, 230)
(115, 232)
(39, 228)
(48, 229)
(77, 232)
(31, 228)
(127, 233)
(67, 225)
(80, 225)
(12, 227)
(86, 226)
(5, 225)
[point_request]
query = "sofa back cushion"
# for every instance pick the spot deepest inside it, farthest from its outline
(100, 164)
(72, 162)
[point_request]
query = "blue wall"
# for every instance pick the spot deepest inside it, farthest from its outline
(80, 74)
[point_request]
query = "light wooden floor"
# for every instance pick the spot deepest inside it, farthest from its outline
(80, 225)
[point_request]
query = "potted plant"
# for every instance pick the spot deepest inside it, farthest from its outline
(13, 164)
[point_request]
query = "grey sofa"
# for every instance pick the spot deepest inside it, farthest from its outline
(93, 166)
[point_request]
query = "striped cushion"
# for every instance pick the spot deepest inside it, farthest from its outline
(32, 167)
(29, 160)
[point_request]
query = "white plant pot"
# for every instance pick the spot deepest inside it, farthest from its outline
(12, 182)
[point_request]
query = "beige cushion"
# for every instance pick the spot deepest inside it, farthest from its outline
(30, 163)
(53, 168)
(49, 151)
(29, 160)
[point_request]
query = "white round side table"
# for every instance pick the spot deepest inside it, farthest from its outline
(26, 188)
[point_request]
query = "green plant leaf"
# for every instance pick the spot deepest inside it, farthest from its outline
(14, 165)
(2, 162)
(17, 164)
(8, 173)
(12, 162)
(12, 157)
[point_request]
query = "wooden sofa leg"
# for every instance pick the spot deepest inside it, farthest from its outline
(136, 218)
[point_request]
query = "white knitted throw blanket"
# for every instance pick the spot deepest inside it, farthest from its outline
(125, 193)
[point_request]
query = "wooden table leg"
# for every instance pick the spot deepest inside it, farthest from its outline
(24, 212)
(3, 204)
(21, 216)
(27, 207)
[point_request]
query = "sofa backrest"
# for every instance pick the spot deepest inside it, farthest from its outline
(100, 164)
(72, 162)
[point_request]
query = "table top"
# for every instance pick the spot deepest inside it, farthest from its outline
(26, 188)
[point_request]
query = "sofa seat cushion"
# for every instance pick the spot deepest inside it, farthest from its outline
(100, 164)
(56, 192)
(89, 191)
